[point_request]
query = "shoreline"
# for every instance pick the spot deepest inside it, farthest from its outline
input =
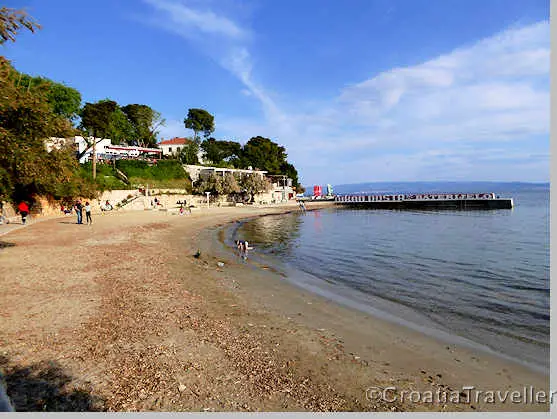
(462, 364)
(370, 305)
(134, 322)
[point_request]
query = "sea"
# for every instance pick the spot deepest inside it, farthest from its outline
(478, 278)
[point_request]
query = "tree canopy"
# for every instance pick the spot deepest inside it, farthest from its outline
(26, 120)
(65, 101)
(97, 117)
(264, 154)
(230, 184)
(219, 152)
(145, 122)
(188, 154)
(253, 184)
(32, 109)
(199, 120)
(259, 153)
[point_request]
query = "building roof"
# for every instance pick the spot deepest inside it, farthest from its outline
(175, 141)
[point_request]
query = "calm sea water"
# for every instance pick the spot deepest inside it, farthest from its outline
(478, 275)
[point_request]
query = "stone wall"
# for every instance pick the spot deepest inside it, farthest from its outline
(116, 195)
(167, 197)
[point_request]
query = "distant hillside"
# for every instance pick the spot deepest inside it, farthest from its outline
(420, 187)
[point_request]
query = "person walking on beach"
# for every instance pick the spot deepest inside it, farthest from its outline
(88, 213)
(241, 245)
(24, 211)
(79, 211)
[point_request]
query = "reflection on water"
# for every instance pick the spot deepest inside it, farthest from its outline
(272, 234)
(483, 275)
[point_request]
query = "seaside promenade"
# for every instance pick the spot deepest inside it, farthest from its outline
(119, 316)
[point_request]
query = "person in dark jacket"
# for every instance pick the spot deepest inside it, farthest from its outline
(79, 212)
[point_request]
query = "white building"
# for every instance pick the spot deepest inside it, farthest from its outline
(197, 172)
(103, 149)
(281, 187)
(174, 146)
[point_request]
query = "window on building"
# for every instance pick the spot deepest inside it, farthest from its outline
(177, 149)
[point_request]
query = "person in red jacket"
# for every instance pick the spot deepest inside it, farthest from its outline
(23, 210)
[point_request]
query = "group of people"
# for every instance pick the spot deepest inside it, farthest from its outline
(243, 247)
(78, 208)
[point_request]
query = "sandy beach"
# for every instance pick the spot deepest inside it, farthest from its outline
(119, 316)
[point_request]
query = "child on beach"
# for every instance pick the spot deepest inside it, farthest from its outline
(243, 247)
(88, 213)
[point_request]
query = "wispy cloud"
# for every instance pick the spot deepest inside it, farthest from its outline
(398, 124)
(389, 126)
(223, 39)
(188, 22)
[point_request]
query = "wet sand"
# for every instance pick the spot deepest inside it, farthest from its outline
(120, 316)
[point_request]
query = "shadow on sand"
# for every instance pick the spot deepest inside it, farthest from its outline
(45, 387)
(6, 244)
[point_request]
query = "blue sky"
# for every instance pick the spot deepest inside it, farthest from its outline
(357, 91)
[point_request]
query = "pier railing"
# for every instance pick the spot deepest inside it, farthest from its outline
(427, 201)
(414, 197)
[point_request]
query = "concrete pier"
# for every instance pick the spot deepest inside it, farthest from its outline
(483, 201)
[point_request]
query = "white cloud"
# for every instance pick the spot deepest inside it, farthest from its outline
(221, 38)
(187, 21)
(495, 91)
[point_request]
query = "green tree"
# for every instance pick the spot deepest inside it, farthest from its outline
(120, 129)
(12, 21)
(188, 154)
(26, 120)
(145, 121)
(98, 116)
(254, 184)
(212, 183)
(106, 120)
(231, 184)
(199, 120)
(263, 154)
(64, 100)
(219, 152)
